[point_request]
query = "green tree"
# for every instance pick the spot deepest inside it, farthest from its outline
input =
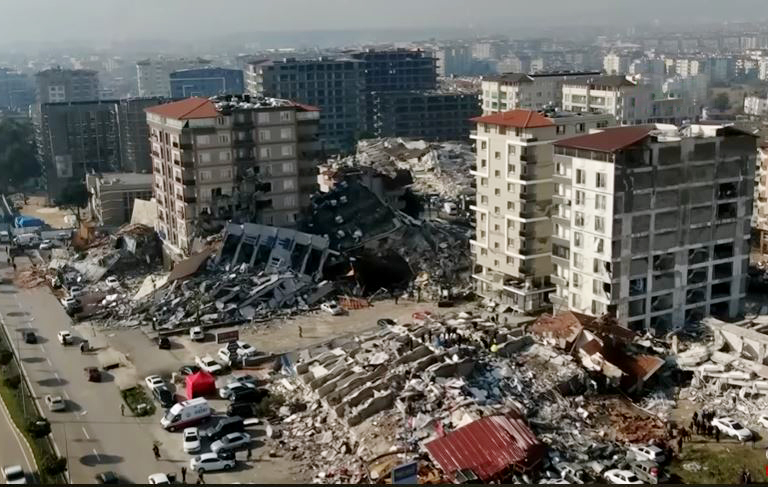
(18, 158)
(721, 102)
(74, 197)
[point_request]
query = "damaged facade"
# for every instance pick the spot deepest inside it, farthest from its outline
(618, 242)
(230, 158)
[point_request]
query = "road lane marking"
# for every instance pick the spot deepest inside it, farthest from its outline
(66, 396)
(86, 433)
(98, 458)
(56, 374)
(50, 364)
(42, 348)
(83, 412)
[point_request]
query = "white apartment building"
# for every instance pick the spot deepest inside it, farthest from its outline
(757, 106)
(653, 223)
(614, 63)
(629, 102)
(248, 159)
(511, 249)
(154, 75)
(512, 91)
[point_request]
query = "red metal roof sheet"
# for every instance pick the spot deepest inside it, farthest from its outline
(488, 447)
(516, 118)
(609, 140)
(186, 109)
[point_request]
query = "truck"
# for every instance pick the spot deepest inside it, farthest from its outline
(187, 413)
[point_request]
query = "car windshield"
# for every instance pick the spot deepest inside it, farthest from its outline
(631, 478)
(192, 436)
(14, 474)
(735, 425)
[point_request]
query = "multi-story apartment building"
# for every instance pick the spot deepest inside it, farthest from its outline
(454, 60)
(17, 92)
(397, 69)
(513, 91)
(616, 63)
(512, 247)
(113, 195)
(154, 74)
(755, 105)
(134, 133)
(74, 139)
(247, 159)
(205, 82)
(432, 115)
(652, 223)
(57, 85)
(336, 86)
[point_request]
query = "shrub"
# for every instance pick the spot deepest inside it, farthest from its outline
(39, 428)
(54, 465)
(12, 382)
(5, 357)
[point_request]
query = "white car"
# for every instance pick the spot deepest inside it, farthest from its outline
(65, 337)
(158, 479)
(617, 476)
(112, 282)
(55, 403)
(733, 428)
(70, 302)
(75, 291)
(154, 381)
(191, 440)
(196, 334)
(332, 307)
(245, 349)
(46, 245)
(210, 462)
(651, 453)
(14, 474)
(226, 356)
(229, 389)
(208, 364)
(762, 420)
(232, 441)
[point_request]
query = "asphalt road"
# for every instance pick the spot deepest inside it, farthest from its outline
(14, 450)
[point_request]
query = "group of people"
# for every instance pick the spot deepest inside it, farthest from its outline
(701, 423)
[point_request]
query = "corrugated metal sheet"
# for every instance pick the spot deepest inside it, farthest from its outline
(488, 446)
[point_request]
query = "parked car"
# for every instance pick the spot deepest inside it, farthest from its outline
(225, 356)
(14, 474)
(65, 337)
(75, 291)
(108, 477)
(188, 369)
(29, 336)
(55, 403)
(5, 237)
(196, 334)
(191, 440)
(154, 381)
(46, 245)
(224, 426)
(649, 472)
(164, 396)
(245, 349)
(651, 453)
(211, 462)
(164, 343)
(732, 428)
(385, 322)
(233, 387)
(112, 282)
(252, 395)
(231, 442)
(158, 479)
(332, 307)
(209, 365)
(71, 305)
(245, 379)
(569, 472)
(762, 420)
(616, 476)
(93, 374)
(242, 409)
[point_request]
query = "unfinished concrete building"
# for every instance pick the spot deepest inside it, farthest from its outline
(760, 218)
(247, 159)
(653, 223)
(511, 251)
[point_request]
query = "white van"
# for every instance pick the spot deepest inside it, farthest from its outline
(26, 240)
(187, 413)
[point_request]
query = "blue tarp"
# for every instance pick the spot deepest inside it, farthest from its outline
(27, 221)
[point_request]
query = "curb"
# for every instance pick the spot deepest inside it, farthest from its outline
(26, 448)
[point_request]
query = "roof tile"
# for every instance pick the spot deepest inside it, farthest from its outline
(186, 109)
(608, 140)
(516, 118)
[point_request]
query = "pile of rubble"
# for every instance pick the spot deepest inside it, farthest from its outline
(405, 385)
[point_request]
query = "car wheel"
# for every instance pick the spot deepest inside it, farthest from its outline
(200, 470)
(171, 429)
(227, 466)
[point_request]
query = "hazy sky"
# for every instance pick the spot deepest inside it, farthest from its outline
(52, 20)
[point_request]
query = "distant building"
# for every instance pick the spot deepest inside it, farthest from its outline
(75, 139)
(431, 115)
(206, 82)
(621, 247)
(514, 208)
(455, 60)
(17, 91)
(614, 63)
(512, 91)
(57, 85)
(113, 195)
(244, 159)
(756, 106)
(153, 75)
(334, 85)
(134, 133)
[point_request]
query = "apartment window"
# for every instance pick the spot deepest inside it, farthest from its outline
(285, 116)
(265, 135)
(484, 182)
(510, 205)
(599, 245)
(576, 280)
(287, 150)
(580, 198)
(599, 224)
(225, 156)
(576, 300)
(205, 157)
(203, 139)
(497, 174)
(511, 150)
(286, 133)
(263, 117)
(483, 163)
(205, 175)
(496, 210)
(579, 219)
(597, 287)
(597, 266)
(560, 130)
(579, 128)
(496, 227)
(288, 168)
(219, 120)
(497, 192)
(600, 202)
(484, 200)
(578, 261)
(600, 180)
(577, 239)
(223, 139)
(602, 124)
(226, 173)
(511, 168)
(288, 184)
(581, 176)
(497, 155)
(265, 152)
(510, 260)
(483, 144)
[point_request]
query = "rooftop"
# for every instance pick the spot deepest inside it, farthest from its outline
(127, 178)
(193, 108)
(609, 140)
(611, 81)
(530, 78)
(517, 119)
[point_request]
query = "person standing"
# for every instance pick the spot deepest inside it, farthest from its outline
(183, 474)
(156, 451)
(122, 409)
(301, 332)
